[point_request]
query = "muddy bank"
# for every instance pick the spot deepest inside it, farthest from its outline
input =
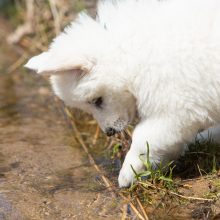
(44, 173)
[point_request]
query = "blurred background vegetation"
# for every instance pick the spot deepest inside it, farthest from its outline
(41, 20)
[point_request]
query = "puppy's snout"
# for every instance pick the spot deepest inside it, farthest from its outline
(110, 131)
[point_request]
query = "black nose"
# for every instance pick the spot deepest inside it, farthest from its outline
(110, 131)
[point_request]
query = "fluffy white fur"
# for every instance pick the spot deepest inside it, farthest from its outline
(159, 58)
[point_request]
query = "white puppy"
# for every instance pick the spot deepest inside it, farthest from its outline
(159, 58)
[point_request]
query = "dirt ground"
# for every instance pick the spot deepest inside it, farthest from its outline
(44, 174)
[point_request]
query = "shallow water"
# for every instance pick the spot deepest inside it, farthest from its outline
(44, 173)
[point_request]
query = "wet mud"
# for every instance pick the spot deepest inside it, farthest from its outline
(44, 173)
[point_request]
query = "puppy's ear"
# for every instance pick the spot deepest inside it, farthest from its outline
(51, 64)
(77, 48)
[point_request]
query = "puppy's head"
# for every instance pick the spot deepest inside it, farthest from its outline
(84, 76)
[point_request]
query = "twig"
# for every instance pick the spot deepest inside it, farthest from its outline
(133, 207)
(190, 197)
(142, 209)
(128, 134)
(56, 16)
(200, 172)
(106, 181)
(17, 64)
(200, 178)
(26, 42)
(176, 194)
(27, 27)
(124, 212)
(96, 135)
(85, 148)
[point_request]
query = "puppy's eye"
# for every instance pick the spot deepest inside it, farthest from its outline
(97, 102)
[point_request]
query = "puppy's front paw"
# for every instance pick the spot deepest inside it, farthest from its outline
(126, 177)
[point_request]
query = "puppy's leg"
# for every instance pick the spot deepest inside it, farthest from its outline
(213, 132)
(165, 143)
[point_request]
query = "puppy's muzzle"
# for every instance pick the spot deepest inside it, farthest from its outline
(110, 131)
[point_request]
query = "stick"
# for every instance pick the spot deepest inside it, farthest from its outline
(106, 181)
(85, 148)
(190, 197)
(176, 194)
(142, 209)
(56, 16)
(27, 27)
(17, 64)
(124, 212)
(133, 207)
(96, 135)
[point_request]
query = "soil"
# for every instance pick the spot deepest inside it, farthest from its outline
(44, 174)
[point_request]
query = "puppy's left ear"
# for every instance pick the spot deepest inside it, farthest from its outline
(51, 64)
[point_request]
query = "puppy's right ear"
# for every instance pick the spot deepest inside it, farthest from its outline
(51, 64)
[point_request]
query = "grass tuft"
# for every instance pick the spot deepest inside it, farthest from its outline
(155, 173)
(201, 158)
(170, 189)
